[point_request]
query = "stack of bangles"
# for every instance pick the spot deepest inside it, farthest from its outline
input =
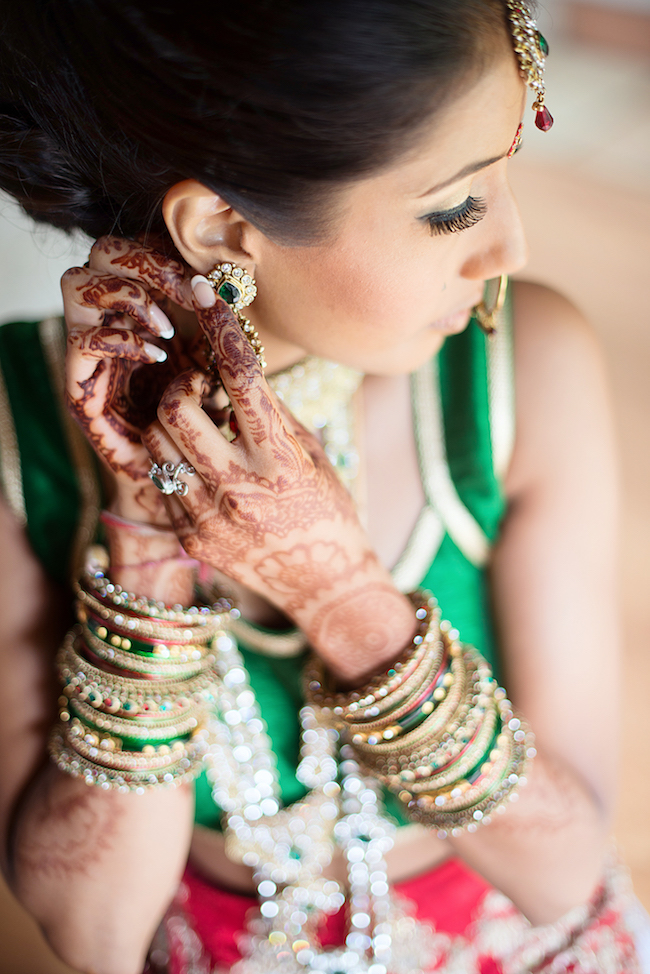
(436, 729)
(138, 684)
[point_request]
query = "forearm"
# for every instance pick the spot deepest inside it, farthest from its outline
(546, 852)
(98, 868)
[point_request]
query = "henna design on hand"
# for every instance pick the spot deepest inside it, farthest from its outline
(303, 572)
(361, 630)
(113, 388)
(157, 270)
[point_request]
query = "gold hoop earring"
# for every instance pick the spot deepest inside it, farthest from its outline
(486, 316)
(237, 288)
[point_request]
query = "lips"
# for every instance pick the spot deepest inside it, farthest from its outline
(453, 323)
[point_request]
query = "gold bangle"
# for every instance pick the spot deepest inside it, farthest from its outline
(73, 764)
(156, 729)
(134, 626)
(280, 645)
(124, 659)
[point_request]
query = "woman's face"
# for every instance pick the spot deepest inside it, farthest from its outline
(383, 292)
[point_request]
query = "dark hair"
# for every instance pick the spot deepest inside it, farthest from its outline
(105, 104)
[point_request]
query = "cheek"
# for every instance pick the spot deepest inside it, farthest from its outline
(353, 286)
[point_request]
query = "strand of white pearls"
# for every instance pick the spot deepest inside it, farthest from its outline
(290, 848)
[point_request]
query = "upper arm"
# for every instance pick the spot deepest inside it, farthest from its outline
(32, 619)
(554, 577)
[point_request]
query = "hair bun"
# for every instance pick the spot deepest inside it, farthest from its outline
(42, 177)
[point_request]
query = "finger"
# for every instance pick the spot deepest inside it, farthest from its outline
(140, 262)
(183, 509)
(241, 373)
(112, 342)
(183, 418)
(309, 441)
(88, 295)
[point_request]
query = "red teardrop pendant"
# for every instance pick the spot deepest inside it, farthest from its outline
(544, 119)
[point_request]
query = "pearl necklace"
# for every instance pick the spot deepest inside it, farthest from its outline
(290, 848)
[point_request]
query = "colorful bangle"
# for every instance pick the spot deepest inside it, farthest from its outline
(435, 729)
(139, 683)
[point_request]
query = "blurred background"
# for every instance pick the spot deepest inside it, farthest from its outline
(584, 192)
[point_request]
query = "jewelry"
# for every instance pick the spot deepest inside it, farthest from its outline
(531, 48)
(517, 141)
(277, 645)
(127, 719)
(237, 288)
(166, 478)
(435, 729)
(289, 848)
(123, 780)
(95, 581)
(136, 663)
(486, 317)
(128, 625)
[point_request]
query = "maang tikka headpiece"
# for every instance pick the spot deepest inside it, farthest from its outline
(531, 49)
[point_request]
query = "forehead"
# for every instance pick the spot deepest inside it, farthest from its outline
(477, 125)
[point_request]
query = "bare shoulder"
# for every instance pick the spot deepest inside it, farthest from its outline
(564, 412)
(549, 322)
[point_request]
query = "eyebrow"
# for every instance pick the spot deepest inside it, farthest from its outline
(467, 171)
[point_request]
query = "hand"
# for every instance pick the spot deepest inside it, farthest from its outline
(268, 510)
(114, 378)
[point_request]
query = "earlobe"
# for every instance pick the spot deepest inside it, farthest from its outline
(204, 227)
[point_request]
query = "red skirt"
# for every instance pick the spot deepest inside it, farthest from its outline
(475, 929)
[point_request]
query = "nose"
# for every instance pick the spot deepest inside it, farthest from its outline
(501, 247)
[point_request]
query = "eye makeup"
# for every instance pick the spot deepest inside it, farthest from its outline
(459, 218)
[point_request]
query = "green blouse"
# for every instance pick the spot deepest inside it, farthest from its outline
(463, 414)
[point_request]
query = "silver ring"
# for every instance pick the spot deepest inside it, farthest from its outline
(165, 478)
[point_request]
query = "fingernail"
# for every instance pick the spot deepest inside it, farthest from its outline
(203, 291)
(161, 321)
(159, 354)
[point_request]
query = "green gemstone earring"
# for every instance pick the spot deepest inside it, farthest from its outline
(237, 288)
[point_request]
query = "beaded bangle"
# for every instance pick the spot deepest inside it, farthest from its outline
(138, 663)
(155, 648)
(76, 665)
(123, 780)
(436, 729)
(139, 683)
(98, 584)
(383, 690)
(125, 625)
(155, 730)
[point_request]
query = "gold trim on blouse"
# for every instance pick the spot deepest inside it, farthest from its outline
(10, 470)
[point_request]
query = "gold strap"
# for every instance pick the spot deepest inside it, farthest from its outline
(10, 471)
(501, 390)
(439, 488)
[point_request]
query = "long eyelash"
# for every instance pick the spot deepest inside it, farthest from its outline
(460, 218)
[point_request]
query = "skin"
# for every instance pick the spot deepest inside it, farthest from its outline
(263, 507)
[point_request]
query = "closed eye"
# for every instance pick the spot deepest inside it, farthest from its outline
(462, 217)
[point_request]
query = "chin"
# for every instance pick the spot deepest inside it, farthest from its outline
(407, 358)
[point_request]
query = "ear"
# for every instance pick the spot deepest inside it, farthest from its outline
(204, 228)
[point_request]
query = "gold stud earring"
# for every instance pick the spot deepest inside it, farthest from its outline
(237, 288)
(486, 315)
